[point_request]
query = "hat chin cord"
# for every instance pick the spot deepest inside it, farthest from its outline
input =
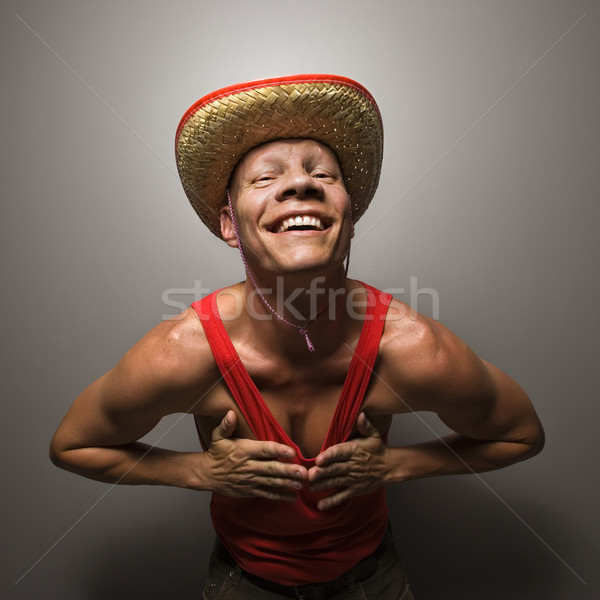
(302, 329)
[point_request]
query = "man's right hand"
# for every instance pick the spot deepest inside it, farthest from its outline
(242, 468)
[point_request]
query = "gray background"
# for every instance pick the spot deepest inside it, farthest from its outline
(489, 195)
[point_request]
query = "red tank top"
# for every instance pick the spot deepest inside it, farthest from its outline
(295, 543)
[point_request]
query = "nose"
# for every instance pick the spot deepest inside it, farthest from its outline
(300, 184)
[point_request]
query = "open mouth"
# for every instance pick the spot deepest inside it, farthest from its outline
(300, 223)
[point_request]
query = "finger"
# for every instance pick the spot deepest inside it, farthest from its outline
(330, 483)
(364, 426)
(273, 482)
(273, 494)
(269, 450)
(275, 469)
(317, 473)
(333, 500)
(339, 452)
(226, 427)
(320, 474)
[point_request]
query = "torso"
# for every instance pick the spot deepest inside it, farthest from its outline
(303, 399)
(303, 402)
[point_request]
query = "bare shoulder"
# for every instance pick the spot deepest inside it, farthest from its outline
(172, 345)
(427, 367)
(166, 372)
(424, 361)
(172, 361)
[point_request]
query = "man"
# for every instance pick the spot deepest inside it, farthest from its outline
(293, 375)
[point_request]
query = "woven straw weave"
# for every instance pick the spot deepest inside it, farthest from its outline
(217, 134)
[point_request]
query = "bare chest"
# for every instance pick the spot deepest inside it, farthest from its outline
(304, 403)
(303, 409)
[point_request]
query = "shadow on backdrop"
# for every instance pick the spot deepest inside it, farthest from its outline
(163, 559)
(460, 542)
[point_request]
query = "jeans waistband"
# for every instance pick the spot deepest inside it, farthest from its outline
(317, 591)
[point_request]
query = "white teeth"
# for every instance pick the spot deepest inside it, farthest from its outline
(305, 221)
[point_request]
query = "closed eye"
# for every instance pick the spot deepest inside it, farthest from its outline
(266, 179)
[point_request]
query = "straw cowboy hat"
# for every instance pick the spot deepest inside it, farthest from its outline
(221, 127)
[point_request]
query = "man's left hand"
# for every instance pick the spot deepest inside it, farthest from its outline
(355, 467)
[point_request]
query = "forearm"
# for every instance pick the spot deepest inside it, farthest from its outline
(455, 454)
(133, 464)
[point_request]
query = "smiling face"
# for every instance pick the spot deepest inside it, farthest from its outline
(291, 207)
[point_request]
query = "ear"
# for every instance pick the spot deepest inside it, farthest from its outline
(227, 229)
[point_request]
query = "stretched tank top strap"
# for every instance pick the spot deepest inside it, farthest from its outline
(235, 375)
(362, 364)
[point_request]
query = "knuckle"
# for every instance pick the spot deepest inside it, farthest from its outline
(240, 453)
(265, 452)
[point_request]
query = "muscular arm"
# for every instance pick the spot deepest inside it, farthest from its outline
(494, 422)
(98, 436)
(165, 373)
(427, 368)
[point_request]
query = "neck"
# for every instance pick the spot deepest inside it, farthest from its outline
(299, 298)
(291, 313)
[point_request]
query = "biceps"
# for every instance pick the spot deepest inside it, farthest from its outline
(500, 410)
(99, 417)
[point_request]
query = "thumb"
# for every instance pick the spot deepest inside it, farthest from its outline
(365, 427)
(226, 427)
